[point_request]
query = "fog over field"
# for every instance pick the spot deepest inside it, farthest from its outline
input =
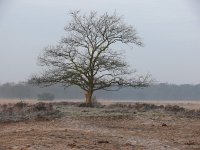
(99, 74)
(160, 92)
(169, 29)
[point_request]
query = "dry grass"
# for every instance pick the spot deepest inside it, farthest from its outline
(33, 101)
(194, 104)
(186, 104)
(20, 111)
(103, 129)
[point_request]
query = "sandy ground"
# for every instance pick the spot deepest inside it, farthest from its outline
(100, 129)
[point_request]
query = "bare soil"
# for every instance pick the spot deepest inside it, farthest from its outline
(107, 128)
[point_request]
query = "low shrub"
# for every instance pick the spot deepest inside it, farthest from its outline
(143, 107)
(23, 111)
(95, 104)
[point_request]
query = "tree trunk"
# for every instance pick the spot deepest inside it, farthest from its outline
(88, 98)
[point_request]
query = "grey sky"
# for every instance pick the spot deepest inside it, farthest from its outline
(169, 28)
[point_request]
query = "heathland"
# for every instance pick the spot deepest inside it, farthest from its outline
(106, 126)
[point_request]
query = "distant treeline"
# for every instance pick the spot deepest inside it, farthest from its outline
(161, 91)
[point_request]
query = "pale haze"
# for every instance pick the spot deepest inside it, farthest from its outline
(170, 30)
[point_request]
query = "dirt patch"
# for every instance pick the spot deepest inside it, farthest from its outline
(115, 128)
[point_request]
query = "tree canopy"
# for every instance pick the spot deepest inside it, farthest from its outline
(87, 55)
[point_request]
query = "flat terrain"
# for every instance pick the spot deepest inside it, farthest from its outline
(194, 104)
(108, 128)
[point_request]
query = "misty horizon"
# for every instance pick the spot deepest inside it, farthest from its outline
(169, 29)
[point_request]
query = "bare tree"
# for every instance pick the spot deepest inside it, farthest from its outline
(85, 56)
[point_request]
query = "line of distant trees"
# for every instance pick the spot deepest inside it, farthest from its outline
(161, 91)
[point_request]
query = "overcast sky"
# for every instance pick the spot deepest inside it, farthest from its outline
(170, 30)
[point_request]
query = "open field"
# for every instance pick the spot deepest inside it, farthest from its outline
(194, 104)
(107, 128)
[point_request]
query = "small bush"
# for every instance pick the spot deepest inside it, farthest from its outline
(95, 104)
(20, 105)
(23, 111)
(174, 108)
